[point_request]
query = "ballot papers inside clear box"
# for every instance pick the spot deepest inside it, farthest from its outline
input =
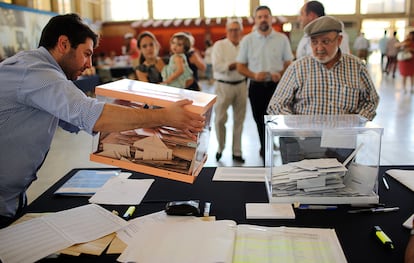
(161, 151)
(322, 159)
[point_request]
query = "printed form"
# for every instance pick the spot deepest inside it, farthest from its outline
(37, 238)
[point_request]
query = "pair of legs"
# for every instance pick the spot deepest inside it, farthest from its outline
(404, 83)
(260, 94)
(391, 65)
(236, 97)
(383, 68)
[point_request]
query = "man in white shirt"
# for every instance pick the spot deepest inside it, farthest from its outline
(382, 45)
(263, 58)
(361, 45)
(308, 13)
(231, 89)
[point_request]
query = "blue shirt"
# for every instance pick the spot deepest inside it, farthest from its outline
(265, 53)
(34, 95)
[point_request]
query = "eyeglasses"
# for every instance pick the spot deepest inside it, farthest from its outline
(325, 42)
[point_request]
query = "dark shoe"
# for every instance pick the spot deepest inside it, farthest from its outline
(218, 156)
(238, 159)
(262, 153)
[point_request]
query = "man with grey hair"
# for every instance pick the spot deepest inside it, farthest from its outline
(328, 82)
(310, 11)
(231, 88)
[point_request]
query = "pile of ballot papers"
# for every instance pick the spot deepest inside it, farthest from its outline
(311, 177)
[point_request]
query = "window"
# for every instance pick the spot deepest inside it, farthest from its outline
(64, 6)
(169, 9)
(42, 5)
(334, 7)
(281, 8)
(125, 10)
(382, 6)
(228, 8)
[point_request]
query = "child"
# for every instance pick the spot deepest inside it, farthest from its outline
(177, 73)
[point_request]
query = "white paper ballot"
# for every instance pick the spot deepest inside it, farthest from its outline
(331, 138)
(243, 174)
(121, 191)
(269, 211)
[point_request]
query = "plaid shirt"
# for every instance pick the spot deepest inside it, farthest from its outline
(309, 88)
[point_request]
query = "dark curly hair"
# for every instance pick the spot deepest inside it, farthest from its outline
(70, 25)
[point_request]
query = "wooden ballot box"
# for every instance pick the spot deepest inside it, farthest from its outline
(161, 151)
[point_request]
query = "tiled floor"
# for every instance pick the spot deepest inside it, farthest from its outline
(395, 113)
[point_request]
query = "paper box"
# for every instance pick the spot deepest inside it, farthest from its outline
(322, 159)
(162, 151)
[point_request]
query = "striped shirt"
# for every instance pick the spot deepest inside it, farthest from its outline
(34, 94)
(309, 88)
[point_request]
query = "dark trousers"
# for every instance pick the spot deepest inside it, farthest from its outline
(260, 94)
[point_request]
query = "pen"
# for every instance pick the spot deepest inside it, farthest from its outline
(207, 209)
(385, 240)
(374, 210)
(318, 207)
(129, 212)
(385, 183)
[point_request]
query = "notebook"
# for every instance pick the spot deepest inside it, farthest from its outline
(86, 182)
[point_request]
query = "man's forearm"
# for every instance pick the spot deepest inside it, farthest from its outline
(121, 118)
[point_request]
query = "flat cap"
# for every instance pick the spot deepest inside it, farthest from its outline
(323, 24)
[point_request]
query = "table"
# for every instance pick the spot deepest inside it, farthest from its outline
(121, 71)
(355, 231)
(87, 83)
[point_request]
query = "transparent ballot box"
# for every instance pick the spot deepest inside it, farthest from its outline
(161, 151)
(322, 159)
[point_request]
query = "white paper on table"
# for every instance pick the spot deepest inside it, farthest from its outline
(406, 177)
(121, 191)
(201, 242)
(409, 222)
(287, 244)
(243, 174)
(37, 238)
(269, 211)
(127, 233)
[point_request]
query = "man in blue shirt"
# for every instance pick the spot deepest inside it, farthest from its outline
(263, 57)
(36, 90)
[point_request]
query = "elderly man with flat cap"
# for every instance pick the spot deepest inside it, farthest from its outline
(328, 82)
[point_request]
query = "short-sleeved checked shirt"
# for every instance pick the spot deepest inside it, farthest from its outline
(309, 88)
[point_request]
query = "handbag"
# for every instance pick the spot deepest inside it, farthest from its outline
(404, 55)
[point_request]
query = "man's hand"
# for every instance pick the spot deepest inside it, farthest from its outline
(261, 76)
(276, 77)
(190, 122)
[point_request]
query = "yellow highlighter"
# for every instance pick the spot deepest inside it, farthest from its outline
(383, 238)
(129, 212)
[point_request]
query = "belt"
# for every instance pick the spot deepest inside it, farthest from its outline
(231, 82)
(263, 83)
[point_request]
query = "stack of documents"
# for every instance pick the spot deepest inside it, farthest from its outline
(153, 239)
(311, 177)
(34, 239)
